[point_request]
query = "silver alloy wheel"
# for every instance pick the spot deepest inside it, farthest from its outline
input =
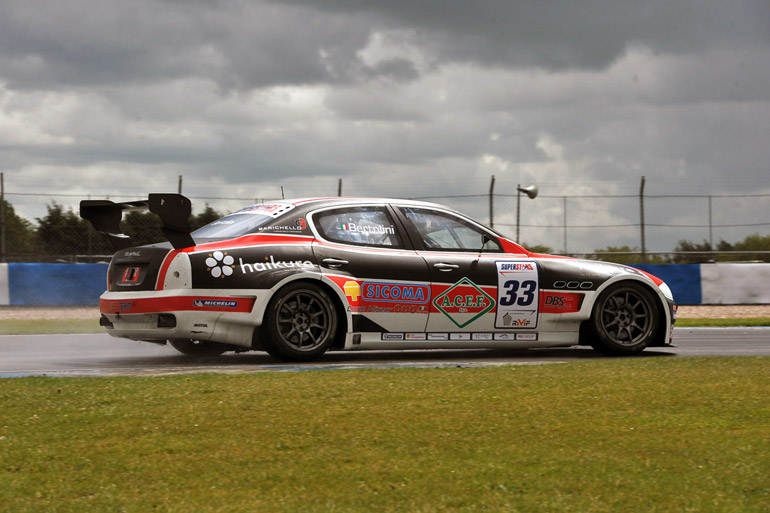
(304, 319)
(626, 316)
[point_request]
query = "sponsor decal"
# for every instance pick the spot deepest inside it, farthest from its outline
(482, 336)
(505, 336)
(215, 303)
(267, 209)
(438, 336)
(220, 264)
(561, 302)
(392, 336)
(395, 292)
(526, 336)
(464, 302)
(459, 336)
(352, 290)
(416, 336)
(125, 306)
(583, 285)
(517, 294)
(271, 263)
(132, 254)
(367, 229)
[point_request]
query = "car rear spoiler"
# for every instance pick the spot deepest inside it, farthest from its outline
(172, 209)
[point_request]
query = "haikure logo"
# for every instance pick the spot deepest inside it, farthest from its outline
(220, 264)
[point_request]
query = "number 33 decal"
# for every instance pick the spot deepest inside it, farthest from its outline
(518, 293)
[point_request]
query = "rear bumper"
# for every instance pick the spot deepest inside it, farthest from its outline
(180, 314)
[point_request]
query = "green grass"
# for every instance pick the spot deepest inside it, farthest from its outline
(642, 434)
(30, 326)
(47, 326)
(723, 322)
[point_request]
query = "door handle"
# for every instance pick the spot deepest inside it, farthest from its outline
(334, 263)
(446, 267)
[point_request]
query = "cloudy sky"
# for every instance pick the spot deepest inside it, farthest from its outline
(400, 98)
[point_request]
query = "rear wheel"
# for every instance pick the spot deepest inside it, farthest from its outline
(198, 347)
(300, 323)
(624, 319)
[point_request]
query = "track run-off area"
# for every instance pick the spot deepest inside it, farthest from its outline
(81, 355)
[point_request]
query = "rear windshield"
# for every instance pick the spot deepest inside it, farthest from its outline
(246, 220)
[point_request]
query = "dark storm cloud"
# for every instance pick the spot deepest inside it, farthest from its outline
(560, 34)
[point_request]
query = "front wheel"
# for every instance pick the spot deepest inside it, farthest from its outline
(624, 319)
(300, 323)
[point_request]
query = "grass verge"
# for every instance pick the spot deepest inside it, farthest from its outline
(642, 434)
(49, 326)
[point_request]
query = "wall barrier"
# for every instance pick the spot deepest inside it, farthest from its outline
(82, 284)
(52, 284)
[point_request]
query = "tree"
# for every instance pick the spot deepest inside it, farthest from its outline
(634, 256)
(63, 232)
(208, 215)
(18, 233)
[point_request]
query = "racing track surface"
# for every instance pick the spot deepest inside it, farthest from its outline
(102, 355)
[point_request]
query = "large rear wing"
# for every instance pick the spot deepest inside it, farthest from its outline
(172, 209)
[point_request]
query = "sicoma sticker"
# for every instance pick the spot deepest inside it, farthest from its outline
(464, 302)
(395, 292)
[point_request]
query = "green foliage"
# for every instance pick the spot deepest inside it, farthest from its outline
(633, 257)
(63, 232)
(209, 215)
(539, 248)
(19, 232)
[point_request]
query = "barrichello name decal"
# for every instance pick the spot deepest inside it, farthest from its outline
(517, 294)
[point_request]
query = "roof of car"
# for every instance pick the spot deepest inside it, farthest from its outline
(352, 200)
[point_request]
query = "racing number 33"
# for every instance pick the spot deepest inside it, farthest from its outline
(517, 294)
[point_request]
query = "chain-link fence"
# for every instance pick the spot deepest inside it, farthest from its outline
(626, 228)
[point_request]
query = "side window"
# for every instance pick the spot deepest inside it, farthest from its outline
(443, 231)
(364, 226)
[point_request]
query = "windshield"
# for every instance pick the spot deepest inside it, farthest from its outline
(244, 221)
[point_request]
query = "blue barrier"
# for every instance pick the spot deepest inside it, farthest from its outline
(684, 280)
(56, 284)
(82, 284)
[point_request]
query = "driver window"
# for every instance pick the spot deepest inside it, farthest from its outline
(443, 231)
(364, 226)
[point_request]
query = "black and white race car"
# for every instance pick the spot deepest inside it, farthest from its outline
(298, 278)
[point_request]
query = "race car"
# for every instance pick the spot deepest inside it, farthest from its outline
(297, 278)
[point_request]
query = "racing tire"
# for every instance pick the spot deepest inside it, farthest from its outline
(624, 320)
(197, 347)
(300, 323)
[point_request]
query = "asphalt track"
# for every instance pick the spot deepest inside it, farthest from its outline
(102, 355)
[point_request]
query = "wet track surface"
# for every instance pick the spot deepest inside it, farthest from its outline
(102, 355)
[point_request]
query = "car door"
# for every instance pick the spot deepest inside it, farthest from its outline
(364, 250)
(474, 292)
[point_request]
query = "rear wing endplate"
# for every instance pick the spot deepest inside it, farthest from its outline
(173, 210)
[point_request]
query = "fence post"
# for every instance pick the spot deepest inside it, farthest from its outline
(564, 201)
(339, 187)
(2, 217)
(641, 219)
(180, 184)
(492, 202)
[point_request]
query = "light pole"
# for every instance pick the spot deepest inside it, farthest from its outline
(531, 191)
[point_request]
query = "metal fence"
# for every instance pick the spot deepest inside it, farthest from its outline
(628, 228)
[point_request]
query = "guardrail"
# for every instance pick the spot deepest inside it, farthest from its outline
(82, 284)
